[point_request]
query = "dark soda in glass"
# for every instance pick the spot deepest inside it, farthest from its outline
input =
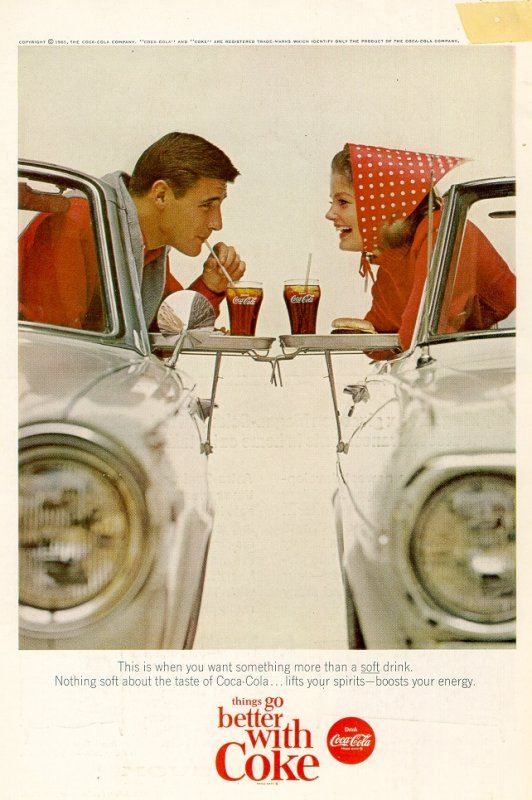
(302, 300)
(244, 300)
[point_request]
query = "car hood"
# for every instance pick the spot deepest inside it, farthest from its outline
(70, 379)
(55, 371)
(463, 402)
(472, 373)
(460, 404)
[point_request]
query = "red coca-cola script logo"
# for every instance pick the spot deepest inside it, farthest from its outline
(351, 740)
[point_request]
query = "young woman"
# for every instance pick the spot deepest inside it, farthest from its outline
(379, 206)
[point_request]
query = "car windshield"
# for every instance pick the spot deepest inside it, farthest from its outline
(478, 293)
(60, 276)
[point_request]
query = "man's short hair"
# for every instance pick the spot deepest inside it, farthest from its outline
(180, 159)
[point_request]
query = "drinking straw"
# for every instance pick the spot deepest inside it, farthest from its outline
(308, 270)
(213, 254)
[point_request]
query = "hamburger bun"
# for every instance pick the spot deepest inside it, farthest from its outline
(351, 325)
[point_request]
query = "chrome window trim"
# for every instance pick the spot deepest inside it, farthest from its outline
(460, 336)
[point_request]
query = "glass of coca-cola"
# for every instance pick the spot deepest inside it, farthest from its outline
(302, 298)
(244, 301)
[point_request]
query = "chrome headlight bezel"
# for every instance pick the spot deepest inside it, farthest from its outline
(424, 484)
(94, 451)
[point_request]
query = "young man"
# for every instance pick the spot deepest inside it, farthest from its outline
(172, 199)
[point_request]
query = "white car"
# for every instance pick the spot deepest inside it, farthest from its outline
(426, 501)
(115, 512)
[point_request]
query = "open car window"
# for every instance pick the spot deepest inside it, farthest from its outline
(479, 291)
(60, 275)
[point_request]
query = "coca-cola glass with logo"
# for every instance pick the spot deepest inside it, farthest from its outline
(302, 299)
(244, 300)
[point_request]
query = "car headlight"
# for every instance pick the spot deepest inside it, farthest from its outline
(82, 529)
(462, 547)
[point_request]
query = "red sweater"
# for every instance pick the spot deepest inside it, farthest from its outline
(59, 281)
(483, 294)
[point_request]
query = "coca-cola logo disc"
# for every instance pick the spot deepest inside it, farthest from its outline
(351, 740)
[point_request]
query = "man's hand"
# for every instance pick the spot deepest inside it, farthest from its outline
(213, 276)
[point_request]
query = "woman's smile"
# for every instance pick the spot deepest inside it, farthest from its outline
(343, 213)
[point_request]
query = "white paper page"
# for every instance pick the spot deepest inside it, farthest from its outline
(273, 594)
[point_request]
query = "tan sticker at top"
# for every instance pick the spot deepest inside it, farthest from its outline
(497, 22)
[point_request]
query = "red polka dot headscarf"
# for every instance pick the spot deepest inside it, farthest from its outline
(389, 184)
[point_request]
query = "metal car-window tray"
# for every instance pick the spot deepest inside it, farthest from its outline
(209, 342)
(341, 342)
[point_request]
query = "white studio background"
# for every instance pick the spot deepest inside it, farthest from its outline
(280, 113)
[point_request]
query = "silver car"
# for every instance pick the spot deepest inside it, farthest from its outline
(115, 513)
(426, 502)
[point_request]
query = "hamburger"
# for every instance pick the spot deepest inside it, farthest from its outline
(352, 325)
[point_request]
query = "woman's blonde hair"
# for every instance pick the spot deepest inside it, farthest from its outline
(393, 233)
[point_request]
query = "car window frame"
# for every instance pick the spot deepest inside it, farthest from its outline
(457, 202)
(127, 328)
